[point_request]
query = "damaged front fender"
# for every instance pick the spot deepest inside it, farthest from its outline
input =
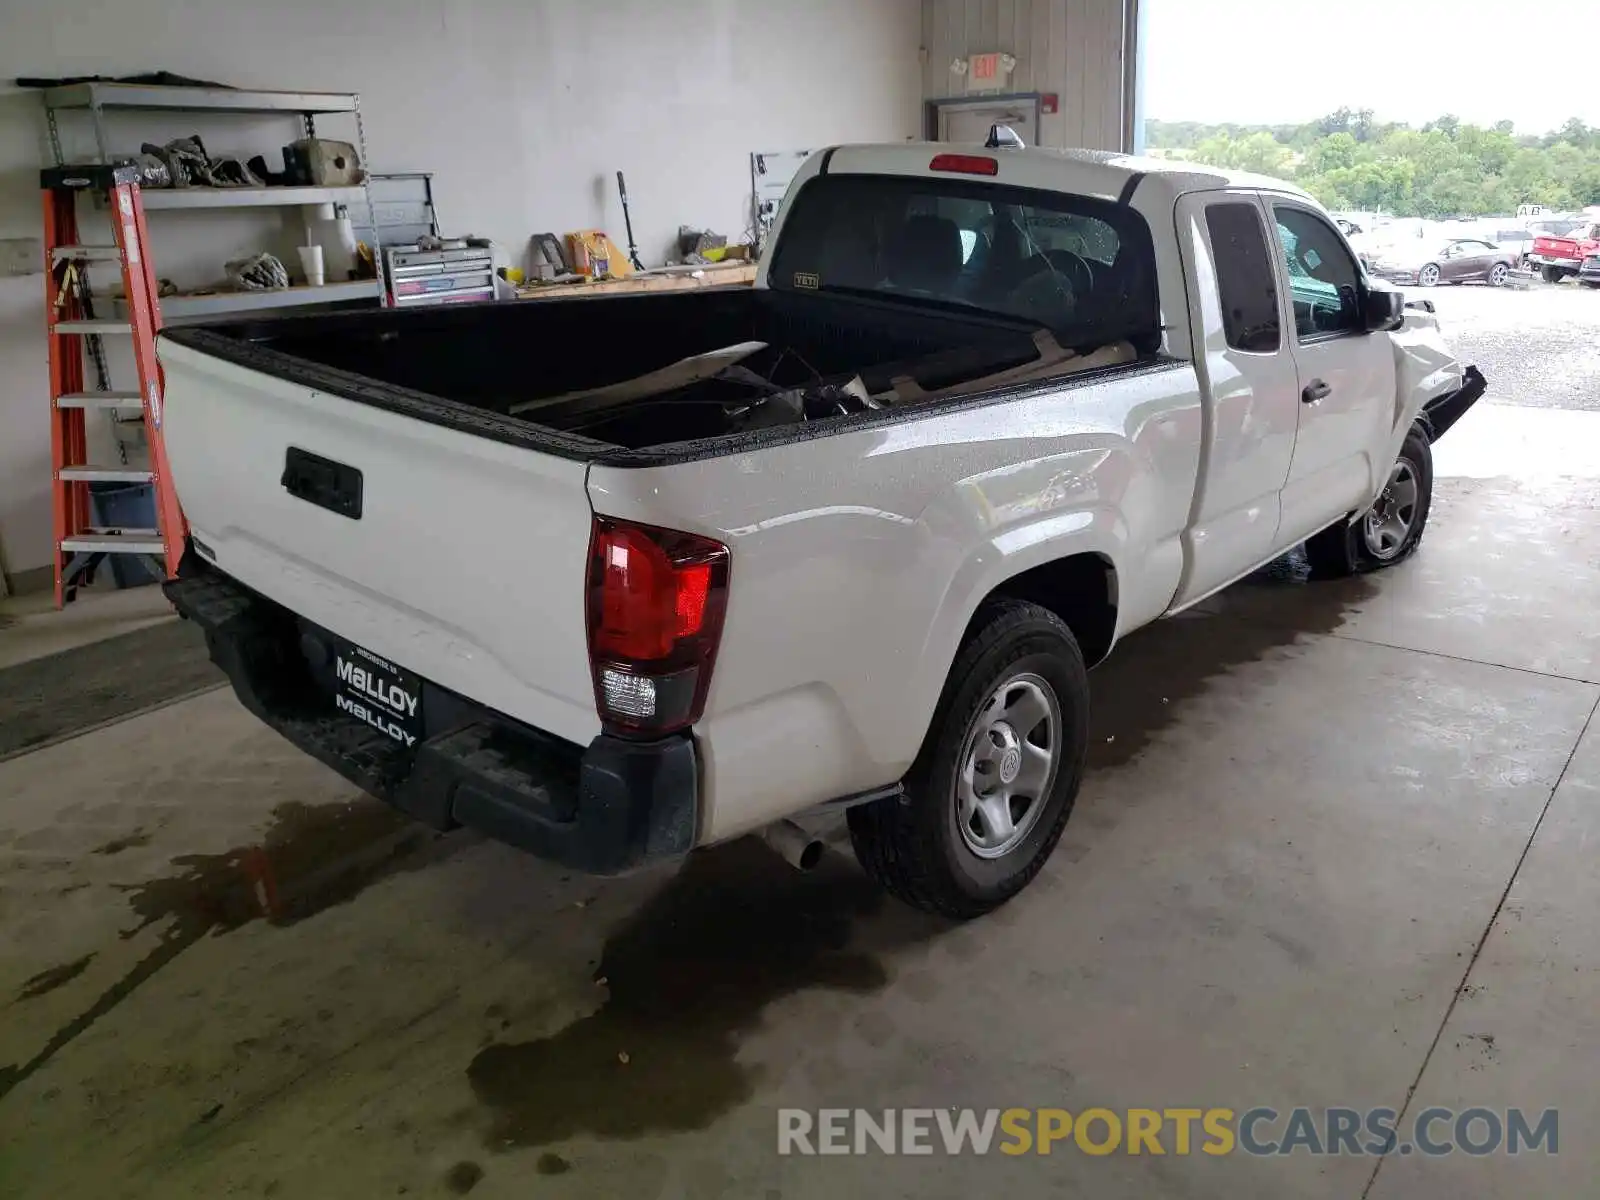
(1440, 413)
(1425, 368)
(1432, 387)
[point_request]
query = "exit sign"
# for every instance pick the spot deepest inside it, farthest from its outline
(983, 70)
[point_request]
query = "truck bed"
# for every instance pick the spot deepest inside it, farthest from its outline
(526, 373)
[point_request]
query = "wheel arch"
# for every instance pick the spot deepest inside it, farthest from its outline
(1080, 588)
(1080, 584)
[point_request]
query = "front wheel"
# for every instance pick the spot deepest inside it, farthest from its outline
(1497, 274)
(1391, 530)
(1428, 276)
(991, 790)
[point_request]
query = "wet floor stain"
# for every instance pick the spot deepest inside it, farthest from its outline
(117, 845)
(310, 859)
(552, 1164)
(51, 978)
(1142, 687)
(463, 1177)
(686, 975)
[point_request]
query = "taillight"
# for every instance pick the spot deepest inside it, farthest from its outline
(656, 599)
(965, 164)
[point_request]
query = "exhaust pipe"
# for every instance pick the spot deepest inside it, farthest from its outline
(798, 848)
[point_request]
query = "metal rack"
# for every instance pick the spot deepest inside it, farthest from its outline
(97, 98)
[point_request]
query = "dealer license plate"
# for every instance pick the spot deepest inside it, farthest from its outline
(377, 692)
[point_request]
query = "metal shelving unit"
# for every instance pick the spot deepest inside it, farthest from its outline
(108, 94)
(267, 197)
(210, 304)
(98, 98)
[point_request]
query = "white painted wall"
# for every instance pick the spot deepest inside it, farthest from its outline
(524, 109)
(1075, 48)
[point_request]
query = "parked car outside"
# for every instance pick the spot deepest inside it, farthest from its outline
(1554, 226)
(1513, 240)
(1431, 262)
(1560, 255)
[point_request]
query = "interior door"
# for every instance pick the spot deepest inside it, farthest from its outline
(1246, 365)
(969, 122)
(1346, 376)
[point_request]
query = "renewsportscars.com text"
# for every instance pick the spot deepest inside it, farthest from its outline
(1256, 1131)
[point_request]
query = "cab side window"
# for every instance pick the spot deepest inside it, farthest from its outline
(1246, 282)
(1323, 278)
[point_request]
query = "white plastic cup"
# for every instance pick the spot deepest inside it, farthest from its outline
(311, 264)
(338, 241)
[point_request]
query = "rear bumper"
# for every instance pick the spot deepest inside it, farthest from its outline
(1545, 260)
(606, 808)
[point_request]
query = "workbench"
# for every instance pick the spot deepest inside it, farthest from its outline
(715, 275)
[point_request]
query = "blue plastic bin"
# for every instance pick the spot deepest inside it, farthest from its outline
(125, 506)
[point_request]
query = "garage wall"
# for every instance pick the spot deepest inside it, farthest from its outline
(1074, 48)
(524, 109)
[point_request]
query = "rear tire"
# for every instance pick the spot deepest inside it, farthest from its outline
(1552, 274)
(1497, 274)
(1428, 275)
(966, 836)
(1391, 530)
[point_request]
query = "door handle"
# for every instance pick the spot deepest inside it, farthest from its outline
(1316, 390)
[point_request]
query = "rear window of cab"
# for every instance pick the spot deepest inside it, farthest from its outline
(1080, 266)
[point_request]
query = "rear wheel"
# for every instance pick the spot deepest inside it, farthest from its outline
(1497, 274)
(1552, 274)
(994, 783)
(1428, 276)
(1389, 531)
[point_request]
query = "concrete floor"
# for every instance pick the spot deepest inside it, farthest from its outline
(30, 626)
(1336, 847)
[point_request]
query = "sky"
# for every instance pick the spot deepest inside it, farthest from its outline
(1286, 61)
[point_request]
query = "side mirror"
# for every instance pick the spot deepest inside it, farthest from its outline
(1382, 309)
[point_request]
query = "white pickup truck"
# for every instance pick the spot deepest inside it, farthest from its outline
(611, 579)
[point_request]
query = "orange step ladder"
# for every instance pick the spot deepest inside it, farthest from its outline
(80, 545)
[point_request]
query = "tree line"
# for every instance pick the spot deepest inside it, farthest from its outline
(1447, 168)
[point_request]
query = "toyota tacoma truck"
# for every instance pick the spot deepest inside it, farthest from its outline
(612, 579)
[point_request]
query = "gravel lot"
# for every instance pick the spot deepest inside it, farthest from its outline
(1539, 348)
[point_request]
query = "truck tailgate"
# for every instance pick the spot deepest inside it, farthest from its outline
(466, 564)
(1556, 247)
